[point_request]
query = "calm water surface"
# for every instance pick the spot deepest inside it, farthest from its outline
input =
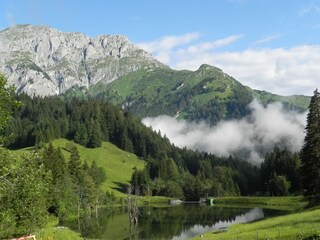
(168, 222)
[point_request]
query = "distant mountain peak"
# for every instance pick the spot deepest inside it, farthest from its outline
(43, 61)
(208, 67)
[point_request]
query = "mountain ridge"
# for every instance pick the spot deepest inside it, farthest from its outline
(204, 94)
(40, 60)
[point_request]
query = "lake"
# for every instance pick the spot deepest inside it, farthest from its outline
(168, 222)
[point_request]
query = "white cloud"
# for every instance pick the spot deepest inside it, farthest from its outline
(265, 128)
(310, 8)
(267, 39)
(162, 48)
(207, 46)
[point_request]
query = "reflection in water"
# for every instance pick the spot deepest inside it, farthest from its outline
(252, 215)
(167, 222)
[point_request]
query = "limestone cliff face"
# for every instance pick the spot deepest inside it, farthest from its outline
(40, 60)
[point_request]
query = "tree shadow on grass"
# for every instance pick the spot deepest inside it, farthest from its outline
(121, 187)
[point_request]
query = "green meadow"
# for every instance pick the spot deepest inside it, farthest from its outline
(300, 225)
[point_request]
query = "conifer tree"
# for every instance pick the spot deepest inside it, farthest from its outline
(75, 165)
(95, 135)
(7, 102)
(310, 153)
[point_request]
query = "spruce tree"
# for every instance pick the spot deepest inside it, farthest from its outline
(310, 153)
(95, 135)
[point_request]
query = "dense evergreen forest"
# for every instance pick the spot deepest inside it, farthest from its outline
(170, 171)
(168, 168)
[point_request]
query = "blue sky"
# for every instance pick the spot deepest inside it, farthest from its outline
(265, 44)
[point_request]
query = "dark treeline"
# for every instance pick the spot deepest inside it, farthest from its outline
(169, 171)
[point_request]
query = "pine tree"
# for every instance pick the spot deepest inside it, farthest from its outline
(310, 153)
(81, 134)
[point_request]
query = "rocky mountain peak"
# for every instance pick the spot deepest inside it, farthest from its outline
(43, 61)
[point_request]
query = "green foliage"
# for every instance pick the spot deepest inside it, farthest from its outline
(278, 185)
(60, 196)
(225, 186)
(7, 103)
(95, 136)
(310, 153)
(168, 170)
(75, 186)
(35, 185)
(24, 185)
(140, 181)
(172, 189)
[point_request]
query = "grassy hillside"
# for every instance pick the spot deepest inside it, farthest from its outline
(298, 101)
(117, 163)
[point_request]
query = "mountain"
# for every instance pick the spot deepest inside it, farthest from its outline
(40, 60)
(205, 94)
(44, 61)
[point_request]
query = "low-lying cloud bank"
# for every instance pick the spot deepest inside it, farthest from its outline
(250, 137)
